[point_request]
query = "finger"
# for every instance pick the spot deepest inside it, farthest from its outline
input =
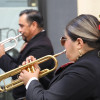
(24, 63)
(28, 59)
(36, 66)
(19, 66)
(23, 71)
(37, 72)
(32, 58)
(20, 77)
(2, 44)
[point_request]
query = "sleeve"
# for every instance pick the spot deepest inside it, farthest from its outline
(7, 63)
(71, 86)
(33, 78)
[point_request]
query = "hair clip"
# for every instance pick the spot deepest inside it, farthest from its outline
(99, 26)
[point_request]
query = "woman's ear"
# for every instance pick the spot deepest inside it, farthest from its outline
(79, 43)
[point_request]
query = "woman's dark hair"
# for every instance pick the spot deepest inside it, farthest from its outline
(85, 27)
(33, 15)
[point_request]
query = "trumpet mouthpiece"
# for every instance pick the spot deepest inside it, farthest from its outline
(59, 53)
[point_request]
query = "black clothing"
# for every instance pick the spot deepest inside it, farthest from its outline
(78, 81)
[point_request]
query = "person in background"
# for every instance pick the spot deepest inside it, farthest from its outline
(79, 79)
(38, 45)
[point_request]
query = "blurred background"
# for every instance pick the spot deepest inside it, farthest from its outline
(56, 13)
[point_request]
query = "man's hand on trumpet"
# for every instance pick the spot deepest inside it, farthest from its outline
(2, 50)
(25, 76)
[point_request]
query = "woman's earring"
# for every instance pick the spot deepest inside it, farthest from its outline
(80, 53)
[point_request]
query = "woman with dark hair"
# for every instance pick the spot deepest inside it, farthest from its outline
(79, 80)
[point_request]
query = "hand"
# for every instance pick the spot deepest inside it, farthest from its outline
(25, 76)
(2, 50)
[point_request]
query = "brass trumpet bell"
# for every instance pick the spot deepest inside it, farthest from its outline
(10, 39)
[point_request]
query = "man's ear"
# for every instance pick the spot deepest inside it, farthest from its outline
(34, 24)
(79, 43)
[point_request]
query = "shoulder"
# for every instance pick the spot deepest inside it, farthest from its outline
(85, 67)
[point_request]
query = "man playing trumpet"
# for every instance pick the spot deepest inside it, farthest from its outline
(38, 45)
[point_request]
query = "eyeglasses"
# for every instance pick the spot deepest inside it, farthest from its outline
(63, 40)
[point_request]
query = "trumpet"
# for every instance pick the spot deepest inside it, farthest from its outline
(10, 39)
(28, 67)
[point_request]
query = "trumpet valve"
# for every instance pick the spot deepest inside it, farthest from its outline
(33, 69)
(29, 70)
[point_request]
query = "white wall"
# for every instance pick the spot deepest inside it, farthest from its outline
(89, 7)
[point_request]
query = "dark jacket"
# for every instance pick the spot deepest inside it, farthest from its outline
(38, 46)
(78, 81)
